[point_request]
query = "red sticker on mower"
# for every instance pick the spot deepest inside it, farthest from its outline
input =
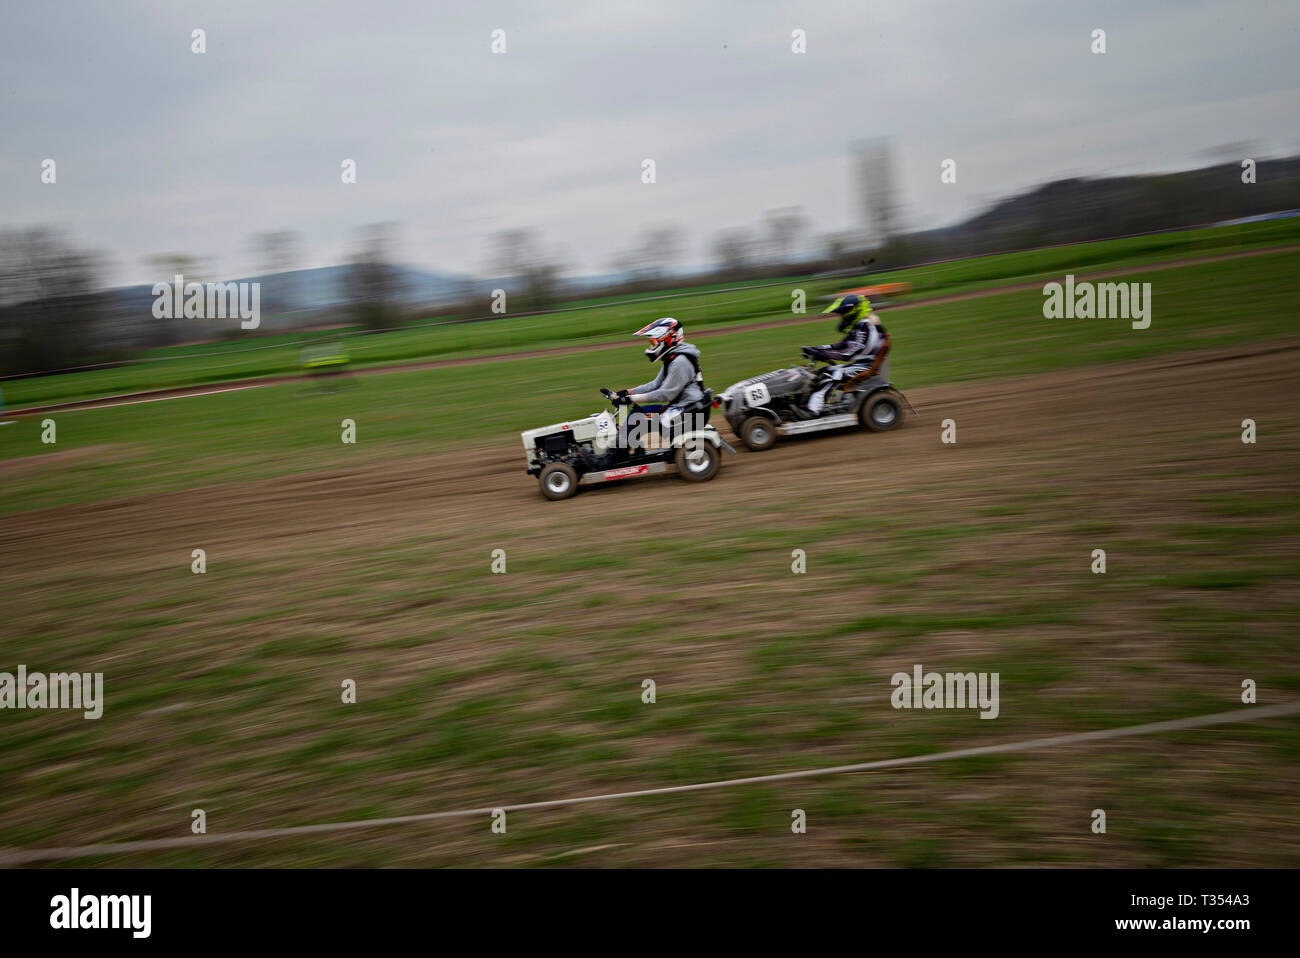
(625, 472)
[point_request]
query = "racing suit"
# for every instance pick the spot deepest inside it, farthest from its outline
(856, 353)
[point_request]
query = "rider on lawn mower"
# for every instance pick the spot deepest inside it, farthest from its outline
(856, 357)
(679, 385)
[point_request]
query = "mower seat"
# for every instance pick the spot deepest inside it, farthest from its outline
(702, 408)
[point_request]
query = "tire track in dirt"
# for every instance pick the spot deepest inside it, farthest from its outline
(1086, 415)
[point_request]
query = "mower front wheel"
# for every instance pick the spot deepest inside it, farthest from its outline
(758, 433)
(558, 480)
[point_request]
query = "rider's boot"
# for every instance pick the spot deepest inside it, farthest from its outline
(809, 409)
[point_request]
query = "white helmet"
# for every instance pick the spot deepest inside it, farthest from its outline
(664, 334)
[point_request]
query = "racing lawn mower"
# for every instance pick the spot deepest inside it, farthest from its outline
(766, 407)
(606, 446)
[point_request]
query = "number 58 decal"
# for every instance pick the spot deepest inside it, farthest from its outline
(757, 395)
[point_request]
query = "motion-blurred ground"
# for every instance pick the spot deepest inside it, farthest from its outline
(327, 563)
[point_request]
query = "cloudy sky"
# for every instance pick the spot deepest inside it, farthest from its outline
(159, 149)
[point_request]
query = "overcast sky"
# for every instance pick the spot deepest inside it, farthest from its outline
(159, 149)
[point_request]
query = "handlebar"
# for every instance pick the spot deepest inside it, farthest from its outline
(620, 401)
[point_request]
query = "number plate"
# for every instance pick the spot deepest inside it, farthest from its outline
(756, 395)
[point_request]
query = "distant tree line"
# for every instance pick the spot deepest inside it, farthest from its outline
(55, 314)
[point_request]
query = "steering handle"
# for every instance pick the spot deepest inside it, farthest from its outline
(614, 398)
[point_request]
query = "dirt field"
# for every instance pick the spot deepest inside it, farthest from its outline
(477, 689)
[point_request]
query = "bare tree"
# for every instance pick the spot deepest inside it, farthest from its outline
(278, 253)
(518, 256)
(661, 248)
(52, 314)
(371, 281)
(877, 195)
(838, 247)
(652, 258)
(783, 228)
(516, 251)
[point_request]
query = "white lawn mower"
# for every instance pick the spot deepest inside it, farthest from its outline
(610, 445)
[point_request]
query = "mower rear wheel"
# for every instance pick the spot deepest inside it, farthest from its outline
(697, 460)
(558, 480)
(881, 412)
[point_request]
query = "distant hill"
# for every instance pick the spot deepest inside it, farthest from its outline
(1087, 208)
